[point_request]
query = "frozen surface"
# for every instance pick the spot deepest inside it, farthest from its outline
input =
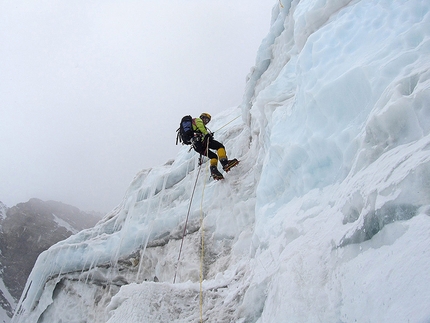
(325, 219)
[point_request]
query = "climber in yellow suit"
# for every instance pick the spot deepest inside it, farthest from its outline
(204, 141)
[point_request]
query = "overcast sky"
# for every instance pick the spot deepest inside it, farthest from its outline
(91, 91)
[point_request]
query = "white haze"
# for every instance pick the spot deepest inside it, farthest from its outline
(92, 91)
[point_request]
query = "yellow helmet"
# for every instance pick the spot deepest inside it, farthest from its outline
(205, 115)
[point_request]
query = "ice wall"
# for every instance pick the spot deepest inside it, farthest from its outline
(341, 115)
(325, 219)
(365, 73)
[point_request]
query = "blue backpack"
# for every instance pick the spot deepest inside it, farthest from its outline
(185, 131)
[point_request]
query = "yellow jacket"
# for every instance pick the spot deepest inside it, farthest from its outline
(199, 126)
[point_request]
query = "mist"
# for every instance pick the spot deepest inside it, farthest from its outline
(92, 92)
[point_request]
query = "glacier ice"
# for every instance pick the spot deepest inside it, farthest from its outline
(325, 219)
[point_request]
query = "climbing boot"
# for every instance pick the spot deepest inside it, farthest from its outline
(216, 175)
(228, 164)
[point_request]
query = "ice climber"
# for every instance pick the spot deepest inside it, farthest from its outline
(203, 142)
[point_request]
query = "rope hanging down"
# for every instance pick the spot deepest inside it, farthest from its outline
(202, 254)
(186, 222)
(201, 229)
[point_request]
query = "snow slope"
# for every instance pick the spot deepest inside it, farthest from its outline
(326, 218)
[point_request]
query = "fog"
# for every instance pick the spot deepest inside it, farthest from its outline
(92, 92)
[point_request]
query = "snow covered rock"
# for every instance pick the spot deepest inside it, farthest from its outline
(27, 229)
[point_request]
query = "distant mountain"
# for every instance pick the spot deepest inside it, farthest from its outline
(26, 230)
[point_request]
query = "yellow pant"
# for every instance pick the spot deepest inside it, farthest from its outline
(221, 155)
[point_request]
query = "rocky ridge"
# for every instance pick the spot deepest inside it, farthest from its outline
(26, 230)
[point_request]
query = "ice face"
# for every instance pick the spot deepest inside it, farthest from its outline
(324, 220)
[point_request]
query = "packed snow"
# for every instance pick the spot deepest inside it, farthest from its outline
(325, 219)
(64, 224)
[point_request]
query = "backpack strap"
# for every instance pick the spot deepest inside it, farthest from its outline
(178, 136)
